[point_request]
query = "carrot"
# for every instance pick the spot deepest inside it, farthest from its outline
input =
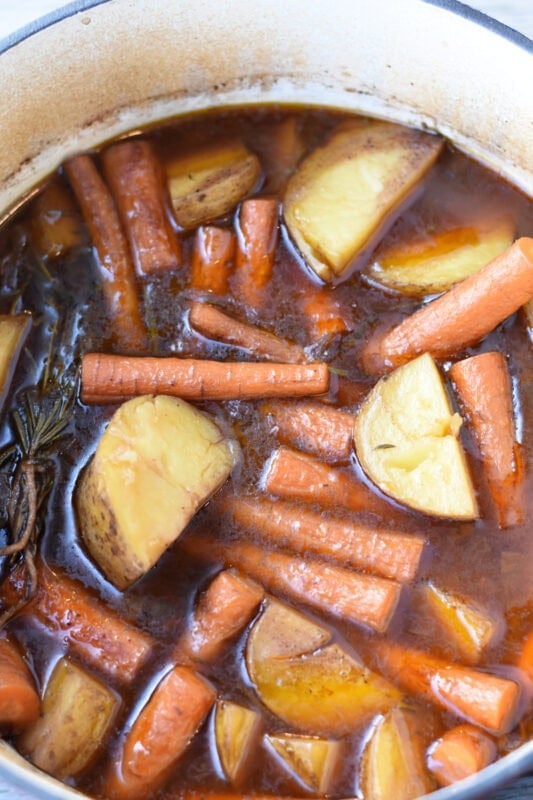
(160, 734)
(525, 662)
(280, 151)
(295, 475)
(391, 554)
(214, 324)
(461, 316)
(333, 590)
(325, 431)
(96, 633)
(322, 313)
(212, 258)
(478, 697)
(19, 702)
(111, 379)
(136, 181)
(116, 268)
(460, 752)
(257, 236)
(222, 611)
(483, 385)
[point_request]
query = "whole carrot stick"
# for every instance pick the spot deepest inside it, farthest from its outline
(116, 268)
(391, 554)
(212, 259)
(461, 316)
(294, 475)
(214, 324)
(223, 610)
(110, 379)
(257, 236)
(160, 734)
(136, 180)
(460, 752)
(478, 697)
(322, 313)
(333, 590)
(316, 428)
(20, 704)
(483, 385)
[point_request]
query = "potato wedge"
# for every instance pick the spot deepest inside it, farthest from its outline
(344, 193)
(157, 462)
(406, 439)
(314, 688)
(236, 732)
(207, 183)
(14, 330)
(470, 629)
(433, 264)
(393, 761)
(77, 713)
(56, 225)
(310, 759)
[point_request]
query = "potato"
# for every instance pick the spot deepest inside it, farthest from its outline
(434, 263)
(406, 440)
(393, 761)
(56, 224)
(310, 759)
(77, 713)
(470, 629)
(343, 194)
(207, 183)
(157, 462)
(316, 689)
(236, 731)
(14, 329)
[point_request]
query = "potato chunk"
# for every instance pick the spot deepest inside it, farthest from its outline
(236, 731)
(314, 688)
(433, 264)
(158, 461)
(77, 713)
(310, 759)
(347, 190)
(14, 329)
(207, 183)
(406, 439)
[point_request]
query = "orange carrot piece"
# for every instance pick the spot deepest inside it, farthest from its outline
(295, 475)
(161, 733)
(96, 633)
(56, 225)
(116, 268)
(489, 701)
(280, 151)
(460, 752)
(333, 590)
(222, 611)
(525, 662)
(483, 385)
(137, 183)
(257, 237)
(20, 704)
(322, 313)
(461, 316)
(211, 322)
(391, 554)
(112, 379)
(325, 431)
(212, 258)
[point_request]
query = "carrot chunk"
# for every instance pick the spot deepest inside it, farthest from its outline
(137, 183)
(211, 322)
(116, 267)
(326, 432)
(322, 313)
(112, 379)
(460, 752)
(525, 662)
(160, 734)
(461, 316)
(212, 259)
(19, 702)
(390, 554)
(483, 385)
(257, 236)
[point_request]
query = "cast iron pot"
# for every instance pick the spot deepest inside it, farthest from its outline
(97, 68)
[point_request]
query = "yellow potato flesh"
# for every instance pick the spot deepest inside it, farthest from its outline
(77, 712)
(406, 439)
(310, 759)
(344, 192)
(236, 730)
(321, 691)
(14, 329)
(157, 462)
(433, 265)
